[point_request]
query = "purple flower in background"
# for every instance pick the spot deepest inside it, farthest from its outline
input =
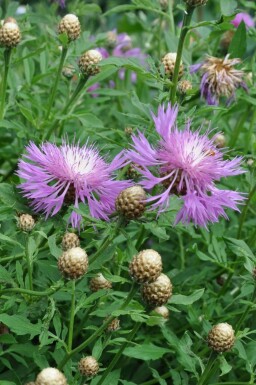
(245, 17)
(54, 176)
(186, 164)
(220, 78)
(61, 3)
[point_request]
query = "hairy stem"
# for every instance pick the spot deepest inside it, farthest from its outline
(29, 266)
(72, 316)
(7, 58)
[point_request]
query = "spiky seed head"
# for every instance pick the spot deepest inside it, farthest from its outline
(221, 337)
(114, 325)
(88, 366)
(73, 263)
(99, 282)
(131, 202)
(68, 71)
(164, 4)
(184, 86)
(51, 376)
(69, 241)
(111, 39)
(146, 266)
(10, 34)
(219, 140)
(70, 25)
(195, 3)
(26, 222)
(128, 131)
(158, 292)
(162, 311)
(169, 62)
(88, 62)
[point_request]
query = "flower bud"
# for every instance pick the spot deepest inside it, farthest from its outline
(221, 337)
(73, 263)
(169, 62)
(51, 376)
(158, 292)
(131, 202)
(164, 4)
(99, 282)
(10, 34)
(68, 71)
(162, 311)
(184, 86)
(195, 3)
(70, 25)
(88, 62)
(146, 266)
(219, 140)
(69, 241)
(26, 222)
(88, 366)
(128, 131)
(111, 39)
(114, 325)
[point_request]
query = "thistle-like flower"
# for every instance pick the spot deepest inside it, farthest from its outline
(54, 176)
(245, 17)
(187, 164)
(220, 78)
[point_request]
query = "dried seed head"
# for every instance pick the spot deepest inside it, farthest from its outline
(131, 202)
(10, 34)
(69, 241)
(184, 86)
(114, 325)
(128, 131)
(70, 25)
(73, 263)
(164, 4)
(68, 71)
(169, 62)
(99, 282)
(162, 311)
(158, 292)
(88, 62)
(195, 3)
(88, 366)
(219, 140)
(221, 337)
(146, 266)
(26, 222)
(111, 39)
(51, 376)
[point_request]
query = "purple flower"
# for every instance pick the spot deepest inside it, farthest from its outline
(220, 78)
(187, 164)
(61, 3)
(54, 176)
(245, 17)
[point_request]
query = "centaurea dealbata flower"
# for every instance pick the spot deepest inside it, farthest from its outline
(220, 78)
(54, 176)
(186, 164)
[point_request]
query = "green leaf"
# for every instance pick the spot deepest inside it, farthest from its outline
(146, 352)
(20, 325)
(7, 239)
(224, 365)
(5, 276)
(54, 249)
(237, 47)
(180, 299)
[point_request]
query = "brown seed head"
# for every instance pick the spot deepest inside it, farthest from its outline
(184, 86)
(99, 282)
(88, 62)
(111, 39)
(73, 263)
(221, 337)
(26, 222)
(69, 241)
(158, 292)
(68, 71)
(88, 366)
(219, 140)
(169, 62)
(128, 131)
(131, 202)
(70, 25)
(162, 311)
(146, 266)
(10, 34)
(114, 325)
(51, 376)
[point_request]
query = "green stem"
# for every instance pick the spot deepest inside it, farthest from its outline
(224, 287)
(72, 316)
(119, 354)
(172, 25)
(7, 58)
(29, 266)
(57, 78)
(98, 332)
(186, 22)
(140, 238)
(247, 310)
(156, 381)
(182, 253)
(45, 293)
(207, 371)
(244, 212)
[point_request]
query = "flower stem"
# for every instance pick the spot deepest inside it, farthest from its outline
(119, 353)
(156, 380)
(7, 58)
(29, 266)
(244, 212)
(208, 369)
(57, 78)
(72, 316)
(172, 25)
(45, 293)
(182, 252)
(247, 310)
(98, 332)
(186, 22)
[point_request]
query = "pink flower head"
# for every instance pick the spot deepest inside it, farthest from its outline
(245, 17)
(187, 164)
(69, 174)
